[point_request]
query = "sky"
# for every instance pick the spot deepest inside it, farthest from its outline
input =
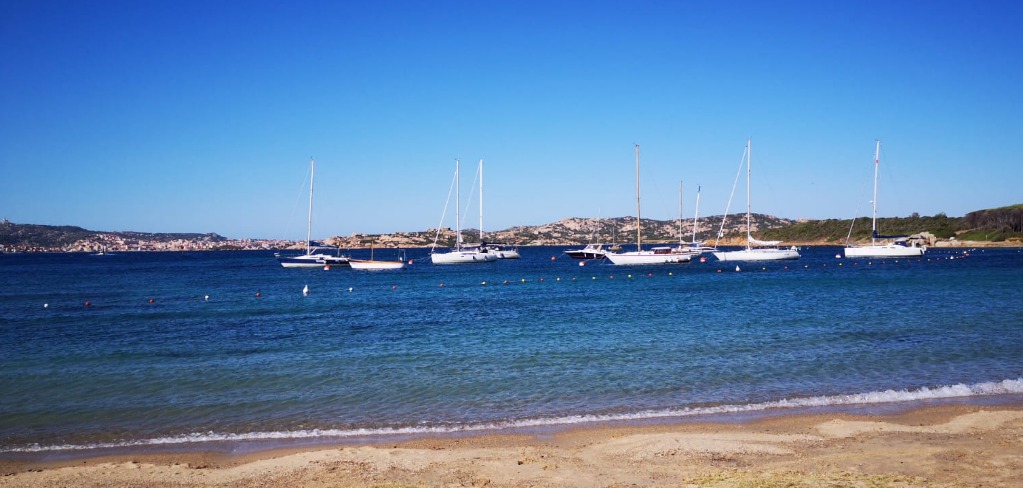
(188, 116)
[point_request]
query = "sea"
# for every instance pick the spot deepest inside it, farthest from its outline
(222, 351)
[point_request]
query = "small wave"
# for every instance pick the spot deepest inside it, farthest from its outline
(1004, 387)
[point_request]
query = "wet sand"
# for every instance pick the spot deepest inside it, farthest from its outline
(950, 445)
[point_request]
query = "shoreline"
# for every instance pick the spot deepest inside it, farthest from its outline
(918, 445)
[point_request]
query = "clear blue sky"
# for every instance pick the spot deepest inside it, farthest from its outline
(181, 116)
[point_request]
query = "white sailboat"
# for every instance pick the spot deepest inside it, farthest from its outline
(502, 251)
(460, 254)
(756, 250)
(694, 248)
(373, 264)
(312, 258)
(657, 255)
(895, 248)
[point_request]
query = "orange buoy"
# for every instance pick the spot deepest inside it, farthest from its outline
(151, 300)
(88, 304)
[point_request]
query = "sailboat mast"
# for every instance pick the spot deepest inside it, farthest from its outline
(639, 220)
(696, 213)
(873, 221)
(481, 202)
(680, 215)
(749, 156)
(309, 224)
(458, 205)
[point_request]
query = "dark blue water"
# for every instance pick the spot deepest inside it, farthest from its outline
(530, 342)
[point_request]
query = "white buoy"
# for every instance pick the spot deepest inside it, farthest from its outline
(207, 298)
(305, 290)
(737, 268)
(349, 289)
(46, 305)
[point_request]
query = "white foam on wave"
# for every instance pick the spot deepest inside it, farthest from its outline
(1004, 387)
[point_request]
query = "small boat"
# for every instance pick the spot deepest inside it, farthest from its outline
(756, 250)
(461, 254)
(896, 248)
(313, 257)
(375, 265)
(591, 251)
(371, 265)
(657, 255)
(503, 251)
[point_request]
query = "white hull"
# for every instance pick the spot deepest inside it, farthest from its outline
(591, 251)
(646, 257)
(883, 251)
(757, 255)
(369, 264)
(463, 257)
(304, 264)
(312, 261)
(506, 254)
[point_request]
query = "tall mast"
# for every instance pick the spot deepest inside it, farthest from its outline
(309, 224)
(873, 222)
(696, 212)
(749, 156)
(481, 202)
(639, 220)
(679, 215)
(458, 230)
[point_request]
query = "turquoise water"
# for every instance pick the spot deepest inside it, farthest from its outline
(177, 349)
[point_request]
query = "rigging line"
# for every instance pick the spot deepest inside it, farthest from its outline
(856, 214)
(451, 189)
(724, 217)
(468, 199)
(298, 199)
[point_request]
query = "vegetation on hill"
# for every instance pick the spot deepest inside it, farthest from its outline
(996, 225)
(32, 236)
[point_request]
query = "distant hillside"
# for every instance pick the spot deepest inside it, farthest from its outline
(575, 231)
(66, 237)
(992, 225)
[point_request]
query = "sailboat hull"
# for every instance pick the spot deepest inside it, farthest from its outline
(647, 257)
(757, 255)
(463, 257)
(371, 265)
(883, 251)
(312, 261)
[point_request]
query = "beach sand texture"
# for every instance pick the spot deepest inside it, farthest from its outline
(951, 445)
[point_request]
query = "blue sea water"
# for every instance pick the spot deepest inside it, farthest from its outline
(185, 349)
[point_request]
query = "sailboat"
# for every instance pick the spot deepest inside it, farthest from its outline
(501, 250)
(896, 248)
(311, 258)
(373, 264)
(754, 250)
(694, 248)
(460, 254)
(657, 255)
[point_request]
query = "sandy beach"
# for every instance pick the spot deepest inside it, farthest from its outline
(951, 445)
